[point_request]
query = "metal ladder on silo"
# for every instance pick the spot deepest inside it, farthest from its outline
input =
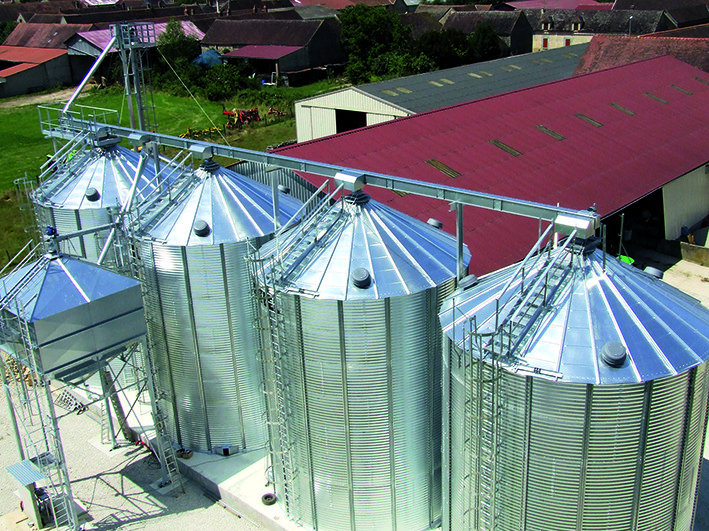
(166, 451)
(40, 435)
(481, 427)
(273, 354)
(539, 277)
(520, 315)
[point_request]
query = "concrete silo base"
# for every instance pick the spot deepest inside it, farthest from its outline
(238, 481)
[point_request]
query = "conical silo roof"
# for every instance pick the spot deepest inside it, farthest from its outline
(51, 286)
(99, 177)
(221, 207)
(606, 322)
(361, 249)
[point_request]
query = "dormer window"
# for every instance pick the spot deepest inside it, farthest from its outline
(546, 25)
(575, 26)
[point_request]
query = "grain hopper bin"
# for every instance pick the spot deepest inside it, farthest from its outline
(349, 302)
(72, 314)
(575, 389)
(192, 246)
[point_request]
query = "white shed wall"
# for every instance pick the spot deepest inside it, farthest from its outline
(686, 201)
(315, 117)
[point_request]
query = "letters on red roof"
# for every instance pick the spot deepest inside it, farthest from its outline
(608, 138)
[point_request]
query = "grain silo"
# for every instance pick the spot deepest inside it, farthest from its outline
(198, 301)
(353, 366)
(88, 189)
(575, 392)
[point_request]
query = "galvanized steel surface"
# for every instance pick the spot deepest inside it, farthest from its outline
(360, 448)
(571, 456)
(663, 331)
(234, 207)
(199, 304)
(402, 255)
(76, 312)
(91, 184)
(353, 372)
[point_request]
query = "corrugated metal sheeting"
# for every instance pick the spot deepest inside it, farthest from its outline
(651, 120)
(593, 419)
(352, 371)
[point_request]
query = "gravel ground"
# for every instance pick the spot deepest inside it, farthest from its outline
(114, 486)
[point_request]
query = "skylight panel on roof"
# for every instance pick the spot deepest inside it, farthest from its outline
(403, 90)
(621, 108)
(485, 73)
(702, 80)
(684, 91)
(588, 119)
(450, 172)
(447, 81)
(504, 147)
(550, 132)
(400, 193)
(473, 74)
(656, 98)
(570, 55)
(390, 92)
(435, 83)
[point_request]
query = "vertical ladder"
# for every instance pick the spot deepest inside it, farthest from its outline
(271, 324)
(40, 434)
(166, 451)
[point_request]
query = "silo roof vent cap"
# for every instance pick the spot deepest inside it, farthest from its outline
(614, 354)
(435, 223)
(358, 198)
(201, 228)
(361, 278)
(210, 165)
(92, 194)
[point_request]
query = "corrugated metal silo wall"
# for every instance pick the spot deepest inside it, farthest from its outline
(299, 187)
(67, 221)
(360, 448)
(204, 344)
(574, 456)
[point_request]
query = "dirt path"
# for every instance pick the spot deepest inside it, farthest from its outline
(35, 99)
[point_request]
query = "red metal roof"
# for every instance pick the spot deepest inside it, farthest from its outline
(613, 165)
(14, 69)
(263, 52)
(24, 54)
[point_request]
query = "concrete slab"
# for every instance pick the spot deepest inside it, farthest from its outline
(239, 481)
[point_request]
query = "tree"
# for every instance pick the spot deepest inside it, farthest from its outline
(446, 49)
(6, 27)
(221, 82)
(370, 32)
(485, 43)
(176, 47)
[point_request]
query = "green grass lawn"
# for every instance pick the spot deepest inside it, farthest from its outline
(25, 149)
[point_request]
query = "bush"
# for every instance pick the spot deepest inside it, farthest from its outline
(224, 81)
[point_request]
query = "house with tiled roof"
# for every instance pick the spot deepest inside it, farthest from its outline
(653, 5)
(44, 35)
(555, 28)
(512, 27)
(285, 47)
(608, 51)
(363, 105)
(701, 31)
(631, 135)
